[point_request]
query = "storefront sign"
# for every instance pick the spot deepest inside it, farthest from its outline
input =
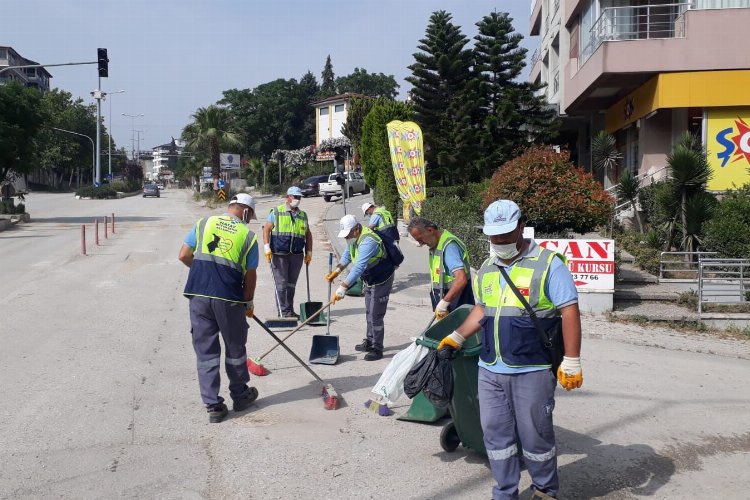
(325, 156)
(591, 262)
(229, 161)
(728, 144)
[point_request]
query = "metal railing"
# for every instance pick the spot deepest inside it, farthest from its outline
(685, 263)
(723, 281)
(641, 22)
(535, 57)
(644, 180)
(556, 82)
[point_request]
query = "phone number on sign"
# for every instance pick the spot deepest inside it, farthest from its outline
(592, 277)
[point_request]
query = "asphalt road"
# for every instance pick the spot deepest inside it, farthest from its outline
(99, 397)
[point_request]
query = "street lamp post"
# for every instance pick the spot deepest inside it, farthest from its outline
(93, 150)
(110, 131)
(132, 128)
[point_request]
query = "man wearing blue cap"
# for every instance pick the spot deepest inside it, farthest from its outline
(288, 242)
(517, 368)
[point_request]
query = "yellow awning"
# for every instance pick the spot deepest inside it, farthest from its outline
(694, 89)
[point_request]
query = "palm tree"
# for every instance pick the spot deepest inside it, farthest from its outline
(604, 153)
(690, 172)
(212, 129)
(628, 188)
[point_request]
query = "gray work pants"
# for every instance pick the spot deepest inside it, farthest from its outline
(519, 408)
(285, 269)
(208, 317)
(376, 304)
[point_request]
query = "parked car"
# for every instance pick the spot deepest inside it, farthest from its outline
(150, 190)
(311, 185)
(355, 183)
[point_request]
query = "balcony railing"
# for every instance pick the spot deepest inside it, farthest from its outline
(535, 57)
(642, 22)
(556, 82)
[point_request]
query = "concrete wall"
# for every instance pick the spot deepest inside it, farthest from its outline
(655, 141)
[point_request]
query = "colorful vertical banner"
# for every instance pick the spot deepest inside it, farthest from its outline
(728, 144)
(407, 159)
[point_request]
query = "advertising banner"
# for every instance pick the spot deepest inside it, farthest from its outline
(591, 262)
(728, 144)
(407, 159)
(229, 161)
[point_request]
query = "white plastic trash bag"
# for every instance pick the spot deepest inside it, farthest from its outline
(390, 386)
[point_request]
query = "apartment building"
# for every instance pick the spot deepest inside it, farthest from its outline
(646, 71)
(330, 116)
(164, 159)
(37, 78)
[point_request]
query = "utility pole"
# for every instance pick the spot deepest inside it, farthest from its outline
(103, 66)
(109, 134)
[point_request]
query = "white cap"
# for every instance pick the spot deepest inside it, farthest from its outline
(366, 206)
(294, 191)
(244, 199)
(501, 217)
(346, 224)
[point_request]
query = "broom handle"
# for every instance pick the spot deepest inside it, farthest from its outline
(328, 316)
(312, 316)
(307, 275)
(281, 343)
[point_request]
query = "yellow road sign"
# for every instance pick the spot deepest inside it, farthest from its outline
(222, 196)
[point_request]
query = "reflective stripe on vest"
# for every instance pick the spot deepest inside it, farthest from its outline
(289, 233)
(440, 276)
(506, 322)
(219, 259)
(386, 219)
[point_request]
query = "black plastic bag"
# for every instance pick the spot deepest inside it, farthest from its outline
(433, 376)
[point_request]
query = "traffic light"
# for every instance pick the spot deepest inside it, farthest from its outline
(103, 61)
(340, 180)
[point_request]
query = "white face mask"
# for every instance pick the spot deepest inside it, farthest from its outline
(351, 241)
(294, 203)
(504, 252)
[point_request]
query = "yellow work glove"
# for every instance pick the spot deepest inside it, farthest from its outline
(455, 341)
(339, 294)
(569, 374)
(308, 257)
(267, 250)
(441, 309)
(249, 309)
(332, 275)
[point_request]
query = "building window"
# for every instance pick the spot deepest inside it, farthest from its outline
(3, 54)
(339, 108)
(323, 111)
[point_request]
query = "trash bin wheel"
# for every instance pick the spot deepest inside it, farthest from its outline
(449, 439)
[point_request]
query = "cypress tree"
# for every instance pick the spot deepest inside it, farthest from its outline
(328, 80)
(511, 113)
(440, 77)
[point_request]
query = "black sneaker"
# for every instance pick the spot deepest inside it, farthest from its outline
(217, 413)
(374, 355)
(244, 402)
(365, 346)
(291, 315)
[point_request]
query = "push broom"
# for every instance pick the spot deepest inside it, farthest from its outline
(255, 365)
(330, 396)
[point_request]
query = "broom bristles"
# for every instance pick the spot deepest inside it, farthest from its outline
(330, 397)
(256, 368)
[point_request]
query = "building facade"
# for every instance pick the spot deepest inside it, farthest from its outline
(330, 116)
(646, 71)
(164, 159)
(37, 78)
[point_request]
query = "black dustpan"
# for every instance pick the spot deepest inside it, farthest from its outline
(325, 349)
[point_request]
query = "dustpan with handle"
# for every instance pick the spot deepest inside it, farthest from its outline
(325, 348)
(306, 309)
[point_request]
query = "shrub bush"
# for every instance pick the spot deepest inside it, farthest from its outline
(127, 186)
(99, 193)
(729, 231)
(640, 246)
(552, 193)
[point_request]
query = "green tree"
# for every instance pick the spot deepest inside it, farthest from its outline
(212, 128)
(440, 77)
(305, 113)
(376, 156)
(628, 188)
(20, 120)
(328, 80)
(359, 107)
(511, 114)
(604, 154)
(369, 84)
(728, 232)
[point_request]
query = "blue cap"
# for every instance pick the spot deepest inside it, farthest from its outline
(501, 217)
(294, 191)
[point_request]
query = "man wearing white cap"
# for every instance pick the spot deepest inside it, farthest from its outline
(222, 254)
(365, 248)
(526, 304)
(381, 219)
(288, 241)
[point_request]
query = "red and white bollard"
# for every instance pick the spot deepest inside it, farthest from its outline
(113, 223)
(83, 239)
(105, 227)
(96, 232)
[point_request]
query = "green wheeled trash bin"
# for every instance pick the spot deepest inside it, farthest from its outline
(465, 426)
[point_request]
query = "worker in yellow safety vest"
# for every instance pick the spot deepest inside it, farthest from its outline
(287, 243)
(381, 219)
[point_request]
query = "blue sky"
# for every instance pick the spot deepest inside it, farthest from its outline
(173, 56)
